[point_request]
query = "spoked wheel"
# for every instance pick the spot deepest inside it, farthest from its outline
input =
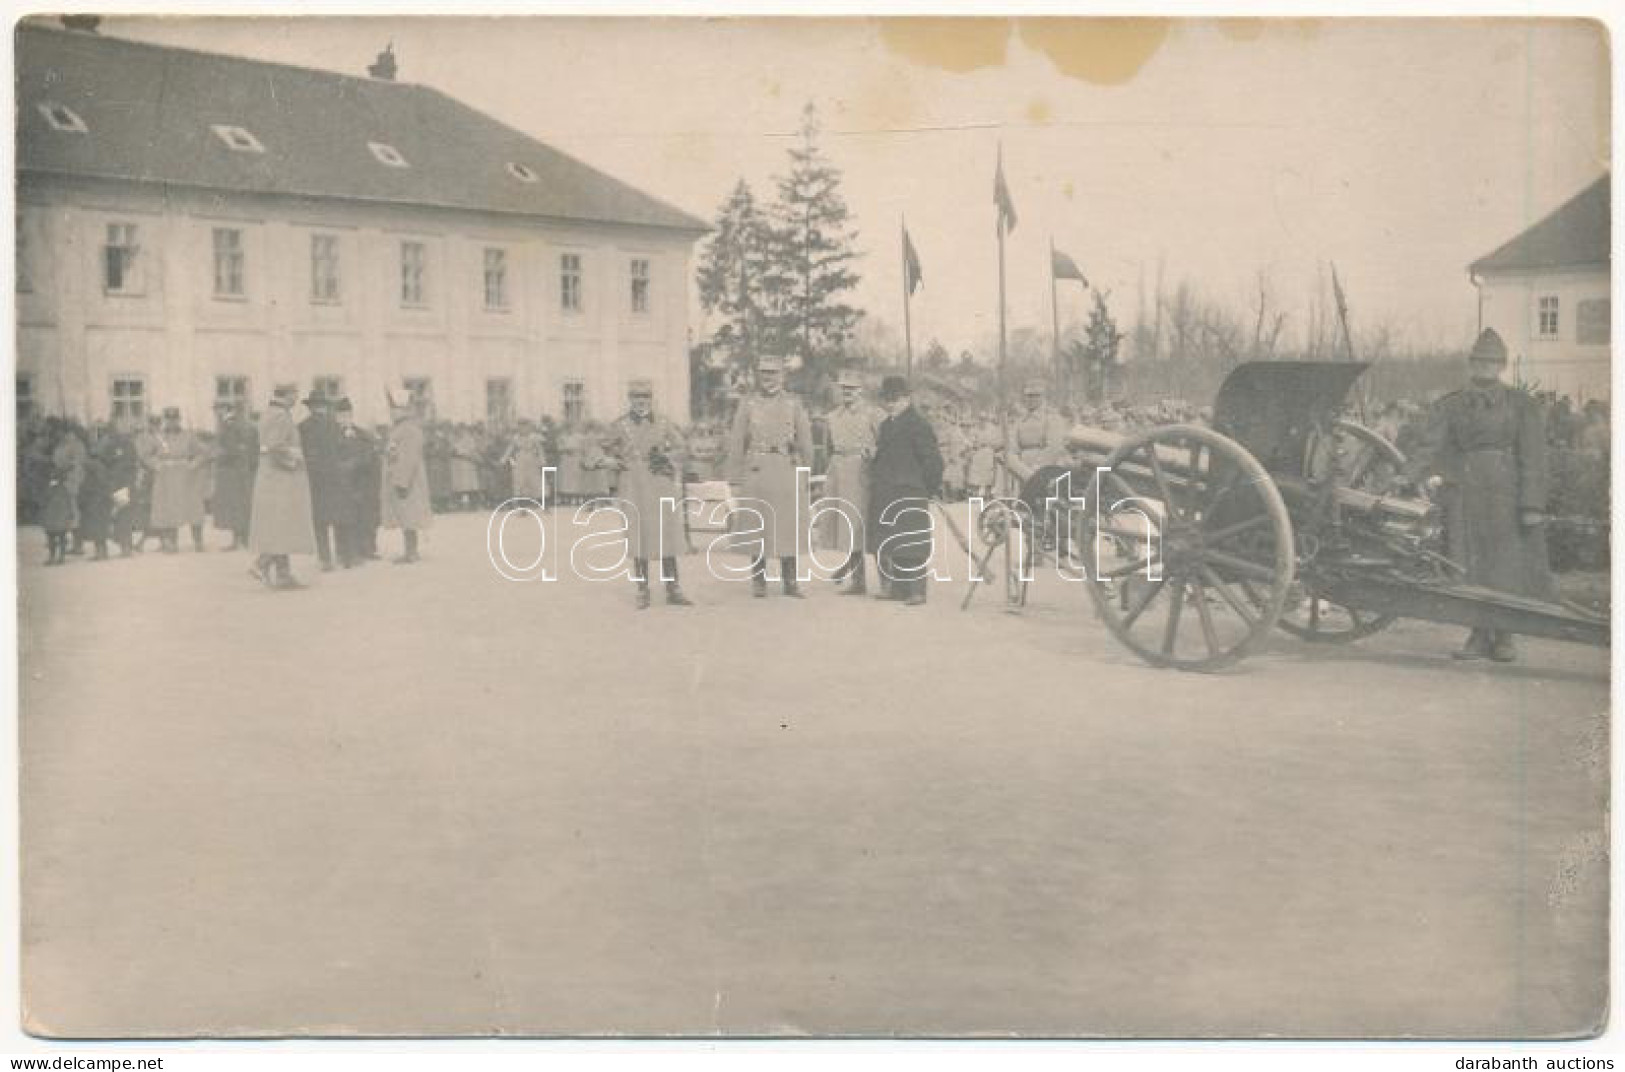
(1355, 457)
(1191, 548)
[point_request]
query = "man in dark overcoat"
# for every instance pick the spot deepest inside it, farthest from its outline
(1485, 450)
(357, 496)
(318, 439)
(237, 454)
(903, 478)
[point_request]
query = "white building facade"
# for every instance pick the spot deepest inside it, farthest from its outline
(1547, 294)
(138, 291)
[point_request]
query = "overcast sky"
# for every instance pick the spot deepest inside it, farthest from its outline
(1400, 150)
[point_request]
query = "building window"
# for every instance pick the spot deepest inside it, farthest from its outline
(496, 279)
(414, 261)
(129, 398)
(1547, 326)
(237, 139)
(521, 172)
(324, 269)
(231, 390)
(387, 155)
(1591, 327)
(499, 400)
(228, 262)
(121, 260)
(640, 285)
(25, 398)
(327, 386)
(62, 118)
(575, 401)
(25, 268)
(570, 282)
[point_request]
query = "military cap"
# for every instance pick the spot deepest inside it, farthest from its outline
(1489, 349)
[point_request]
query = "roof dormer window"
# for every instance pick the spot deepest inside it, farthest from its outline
(521, 172)
(237, 139)
(387, 155)
(62, 118)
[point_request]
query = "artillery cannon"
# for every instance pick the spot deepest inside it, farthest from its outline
(1198, 542)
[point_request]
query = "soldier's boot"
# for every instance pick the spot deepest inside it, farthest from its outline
(758, 579)
(411, 554)
(674, 592)
(787, 570)
(284, 574)
(860, 579)
(640, 573)
(1477, 646)
(1502, 649)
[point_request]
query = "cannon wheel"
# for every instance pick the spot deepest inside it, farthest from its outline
(1192, 552)
(1318, 620)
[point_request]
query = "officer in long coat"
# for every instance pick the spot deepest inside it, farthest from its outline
(1038, 434)
(852, 428)
(177, 491)
(772, 436)
(280, 524)
(1486, 444)
(647, 451)
(237, 453)
(905, 476)
(404, 494)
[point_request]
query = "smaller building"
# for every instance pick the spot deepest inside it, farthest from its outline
(1546, 292)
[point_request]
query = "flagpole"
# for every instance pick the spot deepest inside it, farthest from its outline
(1055, 329)
(998, 225)
(908, 329)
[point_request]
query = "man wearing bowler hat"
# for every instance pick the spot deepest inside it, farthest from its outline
(905, 476)
(318, 438)
(772, 436)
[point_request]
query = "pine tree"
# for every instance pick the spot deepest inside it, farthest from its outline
(1101, 342)
(812, 255)
(732, 277)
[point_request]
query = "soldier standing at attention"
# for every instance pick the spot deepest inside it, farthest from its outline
(647, 452)
(177, 497)
(1486, 444)
(772, 435)
(1038, 434)
(852, 429)
(404, 493)
(280, 524)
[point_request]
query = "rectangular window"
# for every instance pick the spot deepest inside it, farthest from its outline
(129, 398)
(232, 389)
(496, 279)
(1591, 326)
(25, 269)
(575, 401)
(25, 398)
(228, 262)
(498, 400)
(414, 266)
(570, 282)
(640, 285)
(1547, 328)
(327, 386)
(121, 260)
(324, 269)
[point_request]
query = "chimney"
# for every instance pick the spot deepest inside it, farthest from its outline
(85, 23)
(383, 68)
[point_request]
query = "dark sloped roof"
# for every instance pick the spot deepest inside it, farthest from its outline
(150, 109)
(1574, 235)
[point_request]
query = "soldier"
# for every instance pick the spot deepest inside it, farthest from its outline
(280, 524)
(146, 453)
(318, 438)
(771, 437)
(1485, 448)
(177, 497)
(647, 452)
(237, 452)
(404, 496)
(354, 492)
(1038, 434)
(527, 456)
(852, 429)
(905, 476)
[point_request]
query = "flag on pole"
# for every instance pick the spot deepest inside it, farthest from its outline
(1001, 197)
(1064, 267)
(913, 278)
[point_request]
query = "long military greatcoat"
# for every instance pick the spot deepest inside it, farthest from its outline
(771, 437)
(177, 491)
(907, 472)
(404, 495)
(281, 523)
(1488, 444)
(652, 450)
(852, 432)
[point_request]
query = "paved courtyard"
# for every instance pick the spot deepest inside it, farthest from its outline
(430, 800)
